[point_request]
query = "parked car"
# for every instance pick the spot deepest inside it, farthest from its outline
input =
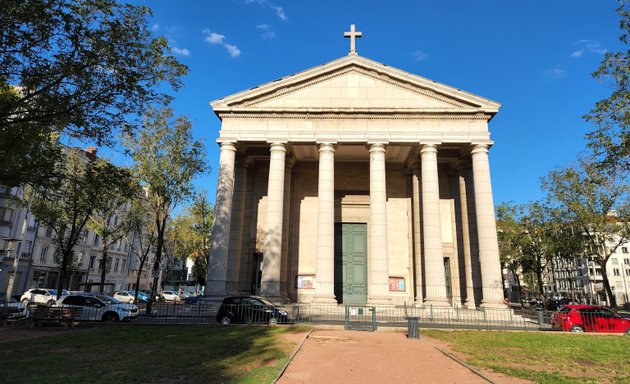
(96, 307)
(13, 310)
(250, 309)
(128, 296)
(41, 296)
(588, 318)
(171, 296)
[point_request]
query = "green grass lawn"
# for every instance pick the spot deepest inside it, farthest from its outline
(544, 357)
(149, 354)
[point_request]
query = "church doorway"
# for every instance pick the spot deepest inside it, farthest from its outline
(351, 263)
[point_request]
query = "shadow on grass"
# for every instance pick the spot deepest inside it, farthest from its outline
(148, 354)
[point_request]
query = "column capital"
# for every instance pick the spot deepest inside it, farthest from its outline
(377, 147)
(327, 146)
(278, 146)
(428, 148)
(479, 148)
(228, 145)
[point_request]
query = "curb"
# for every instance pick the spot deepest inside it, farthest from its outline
(295, 351)
(458, 361)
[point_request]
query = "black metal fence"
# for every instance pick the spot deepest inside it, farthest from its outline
(594, 319)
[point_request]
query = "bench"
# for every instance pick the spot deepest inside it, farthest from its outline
(59, 315)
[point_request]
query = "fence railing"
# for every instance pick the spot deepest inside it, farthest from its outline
(349, 316)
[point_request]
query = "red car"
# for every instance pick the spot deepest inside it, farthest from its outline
(589, 318)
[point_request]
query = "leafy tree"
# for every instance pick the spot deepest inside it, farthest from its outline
(611, 140)
(141, 236)
(203, 217)
(67, 208)
(79, 68)
(512, 239)
(111, 219)
(596, 204)
(167, 159)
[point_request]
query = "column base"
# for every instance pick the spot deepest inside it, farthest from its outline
(380, 300)
(469, 305)
(437, 302)
(493, 305)
(324, 300)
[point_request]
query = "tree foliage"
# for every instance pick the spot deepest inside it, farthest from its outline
(596, 204)
(67, 207)
(611, 139)
(167, 159)
(80, 68)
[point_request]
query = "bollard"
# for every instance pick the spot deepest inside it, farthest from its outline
(541, 317)
(413, 328)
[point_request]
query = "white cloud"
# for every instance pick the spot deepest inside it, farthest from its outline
(556, 73)
(587, 46)
(180, 51)
(267, 33)
(419, 55)
(232, 50)
(280, 12)
(265, 3)
(215, 38)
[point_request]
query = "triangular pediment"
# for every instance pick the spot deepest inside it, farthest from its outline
(354, 84)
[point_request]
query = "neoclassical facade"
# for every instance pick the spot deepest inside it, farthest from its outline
(355, 182)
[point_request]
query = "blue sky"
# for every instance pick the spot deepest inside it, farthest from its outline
(535, 57)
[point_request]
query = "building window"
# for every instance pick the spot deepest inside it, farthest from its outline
(92, 261)
(616, 271)
(624, 249)
(627, 272)
(80, 258)
(615, 261)
(85, 236)
(116, 265)
(49, 232)
(43, 255)
(96, 240)
(124, 264)
(626, 261)
(6, 214)
(598, 271)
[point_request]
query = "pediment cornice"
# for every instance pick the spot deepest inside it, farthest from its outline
(454, 100)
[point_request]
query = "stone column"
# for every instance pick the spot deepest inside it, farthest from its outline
(469, 303)
(286, 221)
(432, 228)
(236, 241)
(325, 278)
(378, 262)
(219, 246)
(272, 254)
(417, 233)
(486, 229)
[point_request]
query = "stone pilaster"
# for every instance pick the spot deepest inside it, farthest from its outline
(286, 222)
(432, 228)
(219, 246)
(417, 233)
(378, 259)
(469, 302)
(486, 229)
(236, 231)
(272, 255)
(325, 278)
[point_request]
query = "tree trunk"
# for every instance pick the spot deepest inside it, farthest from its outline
(612, 300)
(160, 226)
(103, 266)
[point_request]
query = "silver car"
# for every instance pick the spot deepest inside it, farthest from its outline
(98, 307)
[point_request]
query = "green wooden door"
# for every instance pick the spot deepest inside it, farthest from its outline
(351, 263)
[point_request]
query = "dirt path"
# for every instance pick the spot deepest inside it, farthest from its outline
(334, 356)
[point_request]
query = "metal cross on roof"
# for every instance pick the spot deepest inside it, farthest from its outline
(352, 35)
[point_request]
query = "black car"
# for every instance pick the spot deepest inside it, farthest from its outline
(250, 309)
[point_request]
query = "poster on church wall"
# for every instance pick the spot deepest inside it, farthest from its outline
(397, 284)
(306, 281)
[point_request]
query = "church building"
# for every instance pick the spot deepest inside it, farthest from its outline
(354, 182)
